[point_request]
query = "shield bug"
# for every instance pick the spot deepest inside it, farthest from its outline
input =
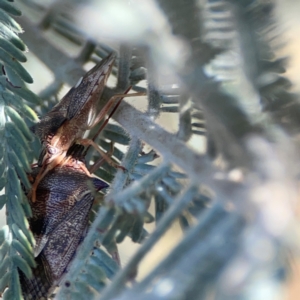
(59, 221)
(61, 181)
(67, 122)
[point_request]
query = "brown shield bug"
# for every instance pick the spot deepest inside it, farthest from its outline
(59, 221)
(67, 122)
(61, 182)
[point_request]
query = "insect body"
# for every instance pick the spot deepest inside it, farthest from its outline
(61, 182)
(59, 222)
(70, 118)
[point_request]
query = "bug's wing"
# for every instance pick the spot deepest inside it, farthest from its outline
(65, 238)
(89, 88)
(48, 212)
(98, 184)
(40, 244)
(58, 194)
(58, 251)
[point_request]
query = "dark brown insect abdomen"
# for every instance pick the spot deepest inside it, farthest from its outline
(59, 224)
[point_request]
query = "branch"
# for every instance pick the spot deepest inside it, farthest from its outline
(174, 150)
(64, 68)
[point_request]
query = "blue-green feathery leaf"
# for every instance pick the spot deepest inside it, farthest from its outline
(7, 59)
(96, 271)
(12, 49)
(13, 78)
(15, 287)
(104, 175)
(5, 263)
(26, 207)
(4, 281)
(2, 182)
(14, 144)
(84, 289)
(4, 232)
(16, 101)
(9, 21)
(22, 265)
(11, 37)
(25, 94)
(22, 238)
(3, 200)
(12, 131)
(27, 256)
(3, 251)
(10, 8)
(105, 262)
(2, 167)
(92, 281)
(19, 122)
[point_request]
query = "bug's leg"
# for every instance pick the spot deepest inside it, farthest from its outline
(101, 115)
(29, 176)
(110, 103)
(100, 161)
(85, 169)
(42, 173)
(88, 142)
(104, 111)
